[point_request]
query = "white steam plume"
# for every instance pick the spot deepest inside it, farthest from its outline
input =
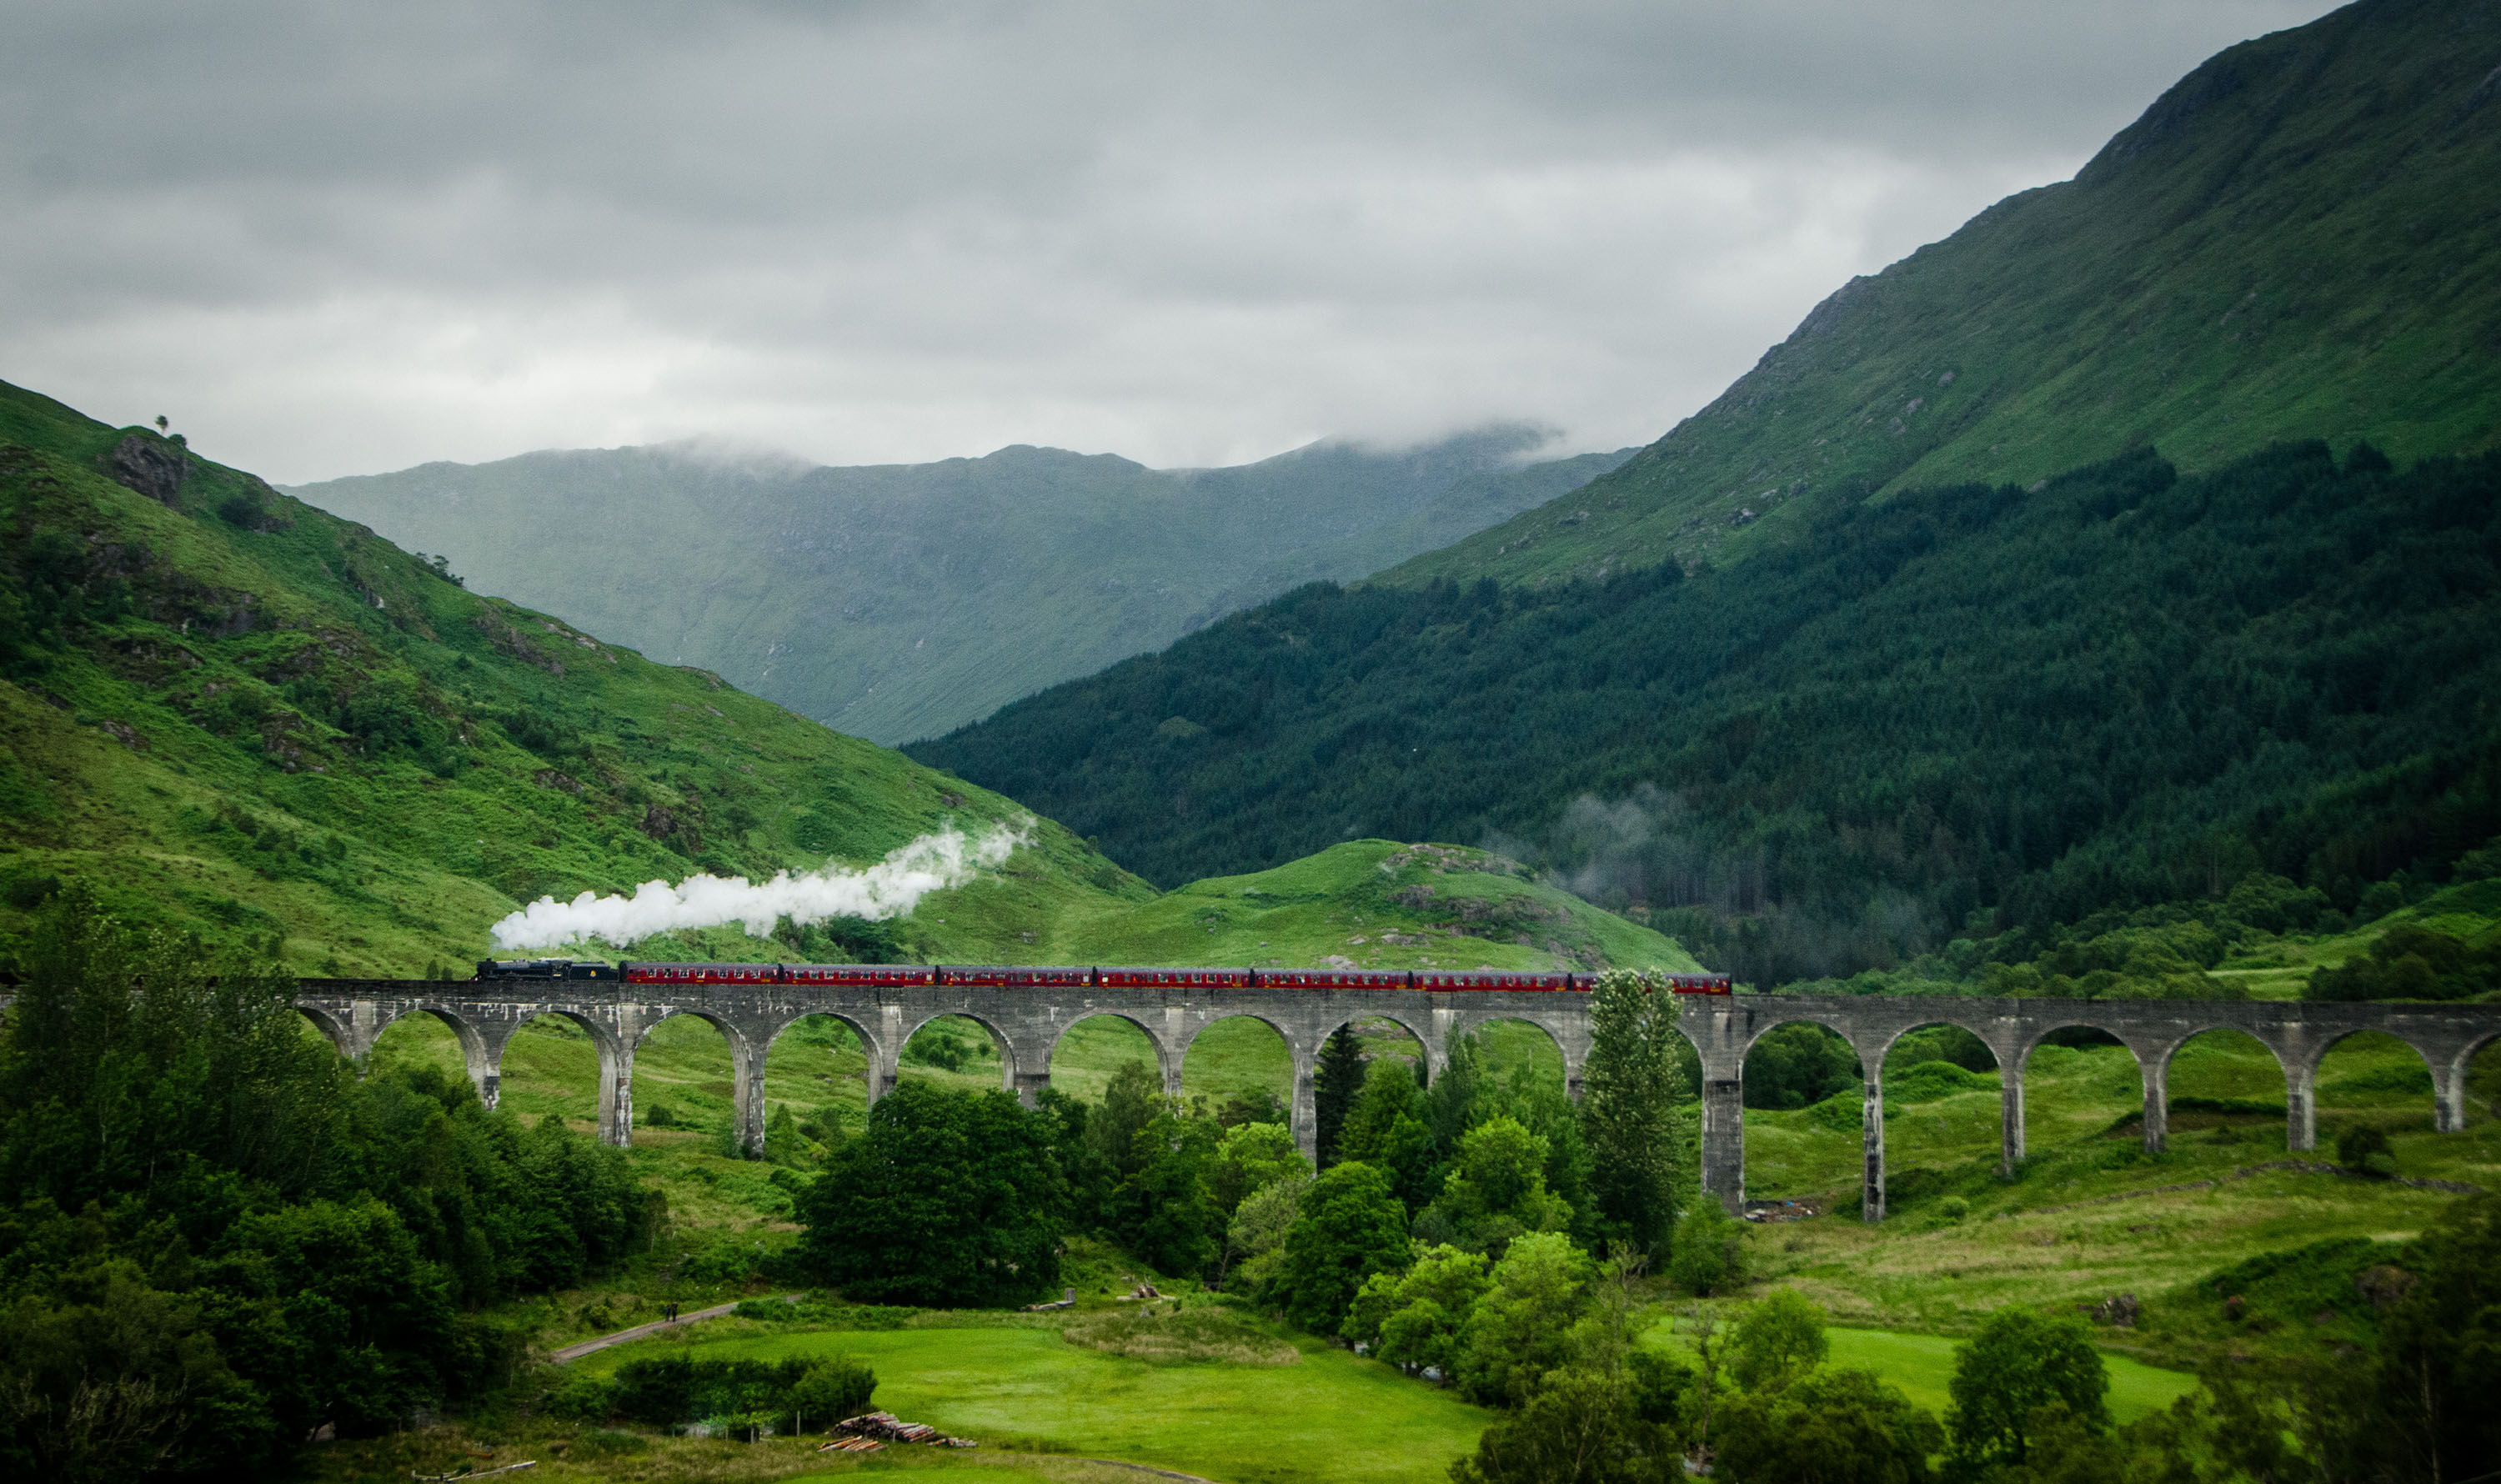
(891, 887)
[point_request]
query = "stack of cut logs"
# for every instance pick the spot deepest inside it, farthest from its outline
(881, 1428)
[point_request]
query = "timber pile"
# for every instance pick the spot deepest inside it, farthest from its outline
(887, 1427)
(851, 1445)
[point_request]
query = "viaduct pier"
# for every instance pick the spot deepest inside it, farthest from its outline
(1027, 1023)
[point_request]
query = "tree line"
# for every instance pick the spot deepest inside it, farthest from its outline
(217, 1238)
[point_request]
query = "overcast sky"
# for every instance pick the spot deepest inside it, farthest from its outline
(335, 239)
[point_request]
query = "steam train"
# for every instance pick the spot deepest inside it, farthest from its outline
(1030, 977)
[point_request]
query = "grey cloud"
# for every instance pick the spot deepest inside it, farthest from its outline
(333, 238)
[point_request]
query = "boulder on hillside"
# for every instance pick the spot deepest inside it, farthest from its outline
(149, 466)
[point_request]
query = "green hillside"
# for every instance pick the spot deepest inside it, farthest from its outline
(899, 601)
(1924, 722)
(2298, 240)
(233, 713)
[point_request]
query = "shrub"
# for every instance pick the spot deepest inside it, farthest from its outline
(1704, 1255)
(831, 1391)
(666, 1390)
(1778, 1341)
(2362, 1147)
(1586, 1426)
(1831, 1427)
(579, 1398)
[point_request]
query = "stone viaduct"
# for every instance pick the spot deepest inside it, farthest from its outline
(1027, 1024)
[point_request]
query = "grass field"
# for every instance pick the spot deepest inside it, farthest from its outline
(1027, 1388)
(1923, 1366)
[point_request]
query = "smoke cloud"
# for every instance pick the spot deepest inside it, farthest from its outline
(889, 889)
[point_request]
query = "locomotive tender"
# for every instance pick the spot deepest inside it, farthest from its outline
(1026, 976)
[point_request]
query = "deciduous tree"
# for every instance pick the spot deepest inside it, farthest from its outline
(1778, 1341)
(948, 1199)
(1520, 1328)
(2019, 1363)
(1351, 1227)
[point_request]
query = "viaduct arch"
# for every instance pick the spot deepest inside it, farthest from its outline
(1028, 1022)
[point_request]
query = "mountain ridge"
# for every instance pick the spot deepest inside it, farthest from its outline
(896, 600)
(1860, 657)
(2295, 241)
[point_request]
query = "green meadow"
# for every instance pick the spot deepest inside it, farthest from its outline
(1028, 1390)
(1923, 1366)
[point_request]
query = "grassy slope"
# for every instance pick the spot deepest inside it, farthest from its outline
(2279, 968)
(183, 758)
(176, 765)
(900, 601)
(1927, 1269)
(2296, 241)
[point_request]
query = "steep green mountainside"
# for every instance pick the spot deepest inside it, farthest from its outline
(1958, 712)
(902, 600)
(232, 713)
(1369, 904)
(2301, 238)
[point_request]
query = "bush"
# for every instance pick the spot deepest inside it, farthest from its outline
(2411, 962)
(1778, 1341)
(831, 1391)
(1830, 1427)
(1413, 1318)
(2363, 1148)
(667, 1390)
(579, 1398)
(1704, 1255)
(1581, 1427)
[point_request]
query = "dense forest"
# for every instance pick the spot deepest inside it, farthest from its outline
(218, 1239)
(1955, 713)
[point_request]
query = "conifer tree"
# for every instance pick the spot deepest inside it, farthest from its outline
(1335, 1082)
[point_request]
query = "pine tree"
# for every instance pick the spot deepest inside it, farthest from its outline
(1335, 1082)
(1630, 1091)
